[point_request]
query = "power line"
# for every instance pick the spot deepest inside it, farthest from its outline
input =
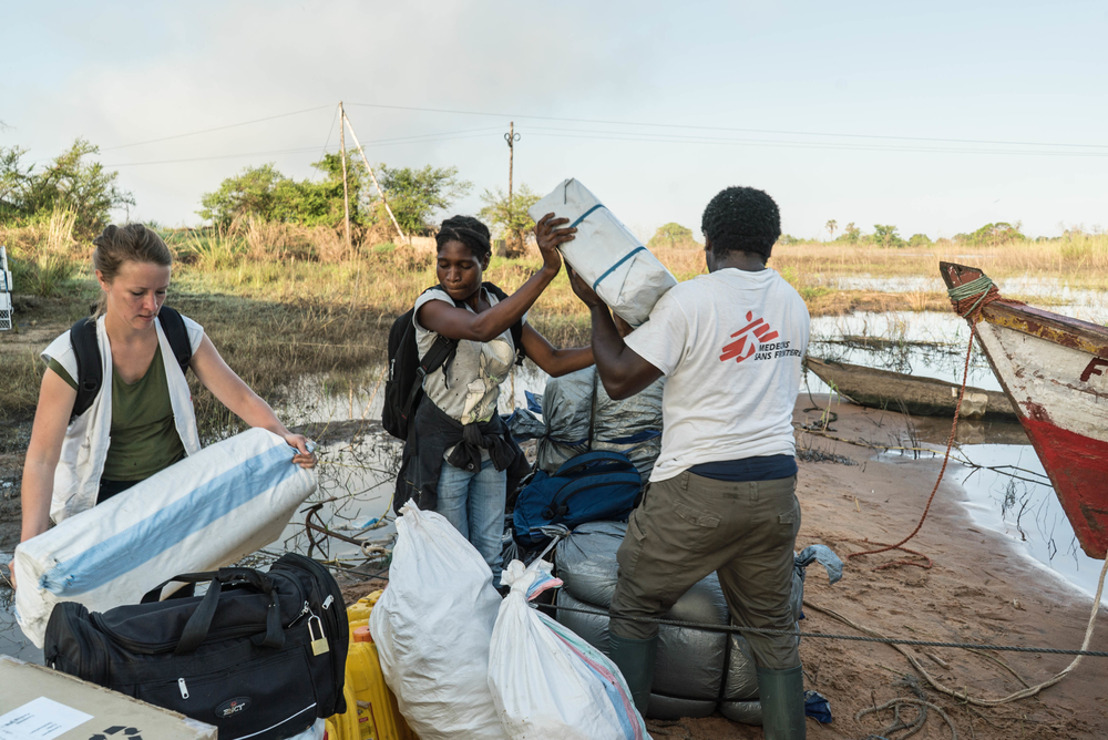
(216, 128)
(729, 128)
(330, 132)
(443, 136)
(659, 138)
(239, 155)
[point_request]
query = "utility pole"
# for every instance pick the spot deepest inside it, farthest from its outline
(512, 137)
(373, 175)
(345, 192)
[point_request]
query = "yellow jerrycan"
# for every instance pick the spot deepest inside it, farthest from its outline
(371, 710)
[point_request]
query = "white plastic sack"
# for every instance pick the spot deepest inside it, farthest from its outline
(606, 254)
(432, 627)
(546, 681)
(206, 511)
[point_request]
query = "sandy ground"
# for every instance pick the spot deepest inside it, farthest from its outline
(975, 592)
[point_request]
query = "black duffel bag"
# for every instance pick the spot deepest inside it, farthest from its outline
(260, 655)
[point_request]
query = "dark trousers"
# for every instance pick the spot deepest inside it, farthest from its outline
(689, 526)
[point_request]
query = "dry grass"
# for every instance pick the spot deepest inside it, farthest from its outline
(1077, 259)
(282, 302)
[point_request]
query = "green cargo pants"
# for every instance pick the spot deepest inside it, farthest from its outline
(688, 526)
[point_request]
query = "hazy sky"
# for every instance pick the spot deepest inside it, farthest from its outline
(935, 117)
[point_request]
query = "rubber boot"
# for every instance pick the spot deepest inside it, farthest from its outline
(635, 660)
(781, 694)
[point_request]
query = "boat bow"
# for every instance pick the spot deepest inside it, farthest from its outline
(1054, 370)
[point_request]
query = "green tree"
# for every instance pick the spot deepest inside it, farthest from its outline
(672, 235)
(831, 225)
(71, 182)
(509, 222)
(264, 193)
(252, 192)
(919, 240)
(991, 235)
(851, 234)
(885, 235)
(415, 195)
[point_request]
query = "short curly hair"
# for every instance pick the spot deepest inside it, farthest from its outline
(468, 231)
(741, 219)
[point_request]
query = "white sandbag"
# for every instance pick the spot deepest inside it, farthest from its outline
(206, 511)
(606, 254)
(432, 627)
(545, 680)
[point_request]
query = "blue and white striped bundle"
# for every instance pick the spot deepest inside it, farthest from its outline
(624, 273)
(206, 511)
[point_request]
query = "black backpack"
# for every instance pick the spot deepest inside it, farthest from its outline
(89, 378)
(404, 385)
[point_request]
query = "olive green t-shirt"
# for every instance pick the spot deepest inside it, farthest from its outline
(144, 438)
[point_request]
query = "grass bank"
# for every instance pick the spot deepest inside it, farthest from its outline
(284, 302)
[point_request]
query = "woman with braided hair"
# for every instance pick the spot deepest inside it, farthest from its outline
(459, 455)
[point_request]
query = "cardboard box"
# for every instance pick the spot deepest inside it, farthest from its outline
(37, 703)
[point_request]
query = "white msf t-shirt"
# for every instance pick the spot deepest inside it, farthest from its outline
(730, 344)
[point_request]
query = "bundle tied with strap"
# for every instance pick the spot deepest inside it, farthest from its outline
(623, 272)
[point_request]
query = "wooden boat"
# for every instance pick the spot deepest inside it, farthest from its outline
(1055, 371)
(884, 389)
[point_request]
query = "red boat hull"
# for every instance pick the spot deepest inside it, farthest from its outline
(1054, 369)
(1079, 466)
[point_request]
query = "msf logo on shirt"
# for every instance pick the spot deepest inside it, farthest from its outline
(747, 339)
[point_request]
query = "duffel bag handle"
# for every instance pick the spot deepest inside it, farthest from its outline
(260, 581)
(196, 629)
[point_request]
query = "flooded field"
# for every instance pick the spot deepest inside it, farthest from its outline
(1005, 487)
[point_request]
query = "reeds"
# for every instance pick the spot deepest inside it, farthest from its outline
(43, 254)
(283, 301)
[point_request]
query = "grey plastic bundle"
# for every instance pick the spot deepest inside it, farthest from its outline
(632, 426)
(696, 671)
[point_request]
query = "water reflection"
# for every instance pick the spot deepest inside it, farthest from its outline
(1006, 487)
(1001, 475)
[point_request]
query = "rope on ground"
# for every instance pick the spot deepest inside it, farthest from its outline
(963, 695)
(874, 636)
(968, 300)
(898, 723)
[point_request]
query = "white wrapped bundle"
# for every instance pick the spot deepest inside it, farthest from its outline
(432, 627)
(545, 680)
(619, 268)
(206, 511)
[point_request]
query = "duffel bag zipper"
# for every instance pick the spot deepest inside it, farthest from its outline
(319, 574)
(183, 687)
(148, 648)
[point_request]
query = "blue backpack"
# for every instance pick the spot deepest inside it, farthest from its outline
(589, 487)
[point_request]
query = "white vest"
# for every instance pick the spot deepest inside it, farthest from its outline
(85, 448)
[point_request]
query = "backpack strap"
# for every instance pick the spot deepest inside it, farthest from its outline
(516, 328)
(90, 376)
(441, 351)
(174, 327)
(82, 335)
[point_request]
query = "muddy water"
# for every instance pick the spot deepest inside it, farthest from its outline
(1004, 485)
